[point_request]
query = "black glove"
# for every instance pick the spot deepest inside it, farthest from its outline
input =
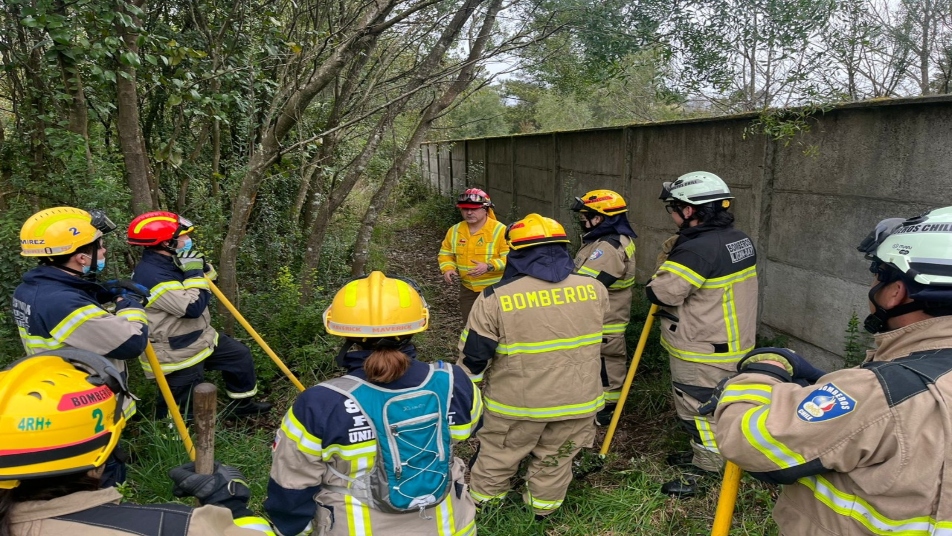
(190, 260)
(799, 369)
(127, 288)
(226, 487)
(707, 408)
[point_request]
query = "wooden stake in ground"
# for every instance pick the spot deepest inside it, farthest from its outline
(204, 406)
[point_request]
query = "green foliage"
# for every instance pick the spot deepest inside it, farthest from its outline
(787, 125)
(856, 343)
(481, 114)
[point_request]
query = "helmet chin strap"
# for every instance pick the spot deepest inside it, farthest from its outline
(685, 221)
(877, 320)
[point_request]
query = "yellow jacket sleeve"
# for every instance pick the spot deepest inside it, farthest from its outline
(447, 256)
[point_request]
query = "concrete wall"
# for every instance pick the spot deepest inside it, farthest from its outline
(806, 203)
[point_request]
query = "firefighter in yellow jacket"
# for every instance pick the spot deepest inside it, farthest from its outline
(707, 291)
(534, 340)
(474, 250)
(864, 450)
(608, 255)
(60, 418)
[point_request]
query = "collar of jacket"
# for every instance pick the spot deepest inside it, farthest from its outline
(50, 274)
(613, 225)
(548, 262)
(28, 511)
(693, 232)
(932, 334)
(354, 360)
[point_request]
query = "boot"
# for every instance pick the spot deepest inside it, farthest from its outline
(604, 416)
(688, 485)
(246, 407)
(680, 458)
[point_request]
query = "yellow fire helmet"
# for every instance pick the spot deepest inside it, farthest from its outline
(60, 413)
(534, 230)
(57, 231)
(377, 306)
(604, 202)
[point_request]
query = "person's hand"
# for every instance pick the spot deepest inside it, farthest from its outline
(450, 276)
(480, 269)
(797, 366)
(666, 248)
(210, 272)
(226, 486)
(127, 289)
(190, 260)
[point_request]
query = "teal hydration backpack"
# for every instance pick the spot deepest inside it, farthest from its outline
(412, 468)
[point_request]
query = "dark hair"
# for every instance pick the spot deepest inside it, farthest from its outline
(714, 217)
(42, 489)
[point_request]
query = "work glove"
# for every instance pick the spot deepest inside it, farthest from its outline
(666, 248)
(225, 487)
(128, 289)
(800, 370)
(210, 272)
(190, 260)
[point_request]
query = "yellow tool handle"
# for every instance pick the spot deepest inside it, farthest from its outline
(640, 349)
(726, 500)
(170, 401)
(254, 334)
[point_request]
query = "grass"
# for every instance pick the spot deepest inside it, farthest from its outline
(622, 498)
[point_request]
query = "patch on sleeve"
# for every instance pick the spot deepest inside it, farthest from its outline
(596, 254)
(824, 404)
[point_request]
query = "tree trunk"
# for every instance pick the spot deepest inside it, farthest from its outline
(402, 163)
(131, 142)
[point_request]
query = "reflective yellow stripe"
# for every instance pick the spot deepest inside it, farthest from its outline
(550, 345)
(246, 394)
(612, 396)
(683, 272)
(585, 270)
(622, 283)
(305, 441)
(195, 282)
(445, 266)
(259, 524)
(630, 249)
(540, 504)
(759, 394)
(460, 432)
(754, 427)
(730, 279)
(546, 412)
(34, 344)
(730, 319)
(468, 530)
(698, 357)
(703, 425)
(157, 291)
(179, 365)
(351, 452)
(860, 511)
(133, 314)
(614, 328)
(445, 524)
(68, 325)
(358, 515)
(480, 498)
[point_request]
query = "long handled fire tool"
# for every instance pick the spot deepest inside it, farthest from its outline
(254, 334)
(726, 500)
(170, 401)
(640, 349)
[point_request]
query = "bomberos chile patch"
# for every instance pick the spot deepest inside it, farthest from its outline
(825, 403)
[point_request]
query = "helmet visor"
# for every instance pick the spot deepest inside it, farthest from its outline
(665, 191)
(578, 205)
(101, 222)
(876, 237)
(185, 226)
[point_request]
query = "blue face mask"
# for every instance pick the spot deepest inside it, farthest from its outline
(186, 247)
(100, 266)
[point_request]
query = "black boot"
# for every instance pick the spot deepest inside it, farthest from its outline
(604, 416)
(246, 407)
(688, 485)
(680, 459)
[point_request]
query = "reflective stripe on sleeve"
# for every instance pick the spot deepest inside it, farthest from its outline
(68, 325)
(133, 314)
(754, 427)
(259, 524)
(305, 441)
(759, 394)
(195, 282)
(859, 510)
(585, 270)
(622, 283)
(178, 365)
(683, 272)
(704, 429)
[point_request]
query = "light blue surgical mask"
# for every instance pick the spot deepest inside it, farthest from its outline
(186, 247)
(100, 266)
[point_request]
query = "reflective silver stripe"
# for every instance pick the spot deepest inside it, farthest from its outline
(857, 509)
(754, 427)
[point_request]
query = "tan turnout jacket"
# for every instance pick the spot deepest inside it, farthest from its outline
(39, 518)
(611, 260)
(536, 345)
(865, 450)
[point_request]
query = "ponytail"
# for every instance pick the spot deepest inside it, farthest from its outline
(386, 364)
